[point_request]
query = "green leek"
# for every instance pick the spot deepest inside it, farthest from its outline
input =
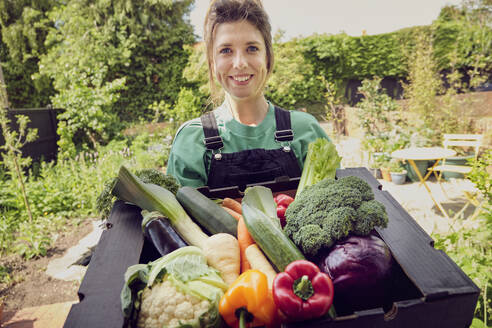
(151, 197)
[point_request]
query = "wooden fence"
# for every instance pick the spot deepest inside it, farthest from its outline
(44, 120)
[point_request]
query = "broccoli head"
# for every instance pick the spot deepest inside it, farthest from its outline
(320, 185)
(341, 196)
(370, 214)
(331, 210)
(311, 238)
(314, 200)
(359, 184)
(339, 222)
(310, 218)
(325, 183)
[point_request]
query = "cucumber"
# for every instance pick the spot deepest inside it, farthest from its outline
(206, 212)
(279, 249)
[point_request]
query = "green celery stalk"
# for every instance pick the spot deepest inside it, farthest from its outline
(151, 197)
(322, 161)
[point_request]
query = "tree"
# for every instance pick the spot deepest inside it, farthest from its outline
(375, 115)
(465, 35)
(24, 26)
(424, 84)
(109, 60)
(4, 103)
(294, 82)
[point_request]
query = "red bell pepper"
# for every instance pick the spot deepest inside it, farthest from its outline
(283, 201)
(302, 291)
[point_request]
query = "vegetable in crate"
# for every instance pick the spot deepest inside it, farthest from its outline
(151, 197)
(249, 300)
(175, 290)
(222, 251)
(260, 217)
(259, 262)
(154, 198)
(105, 200)
(206, 212)
(360, 267)
(245, 240)
(322, 161)
(302, 291)
(283, 201)
(330, 210)
(160, 233)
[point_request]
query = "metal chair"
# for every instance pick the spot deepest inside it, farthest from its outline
(458, 140)
(473, 141)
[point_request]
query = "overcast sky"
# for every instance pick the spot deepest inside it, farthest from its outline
(306, 17)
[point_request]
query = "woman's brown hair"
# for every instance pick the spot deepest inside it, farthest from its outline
(228, 11)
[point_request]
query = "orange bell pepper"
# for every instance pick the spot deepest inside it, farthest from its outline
(249, 301)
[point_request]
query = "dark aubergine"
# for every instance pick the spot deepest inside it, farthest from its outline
(163, 236)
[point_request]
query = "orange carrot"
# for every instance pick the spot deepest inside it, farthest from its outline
(232, 204)
(234, 214)
(244, 239)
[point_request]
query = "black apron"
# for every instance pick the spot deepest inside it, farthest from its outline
(251, 165)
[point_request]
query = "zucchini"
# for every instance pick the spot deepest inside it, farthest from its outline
(206, 212)
(266, 232)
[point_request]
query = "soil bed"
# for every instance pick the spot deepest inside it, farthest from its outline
(32, 286)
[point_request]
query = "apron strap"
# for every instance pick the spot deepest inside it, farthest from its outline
(212, 140)
(284, 129)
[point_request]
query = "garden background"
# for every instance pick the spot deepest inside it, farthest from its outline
(121, 76)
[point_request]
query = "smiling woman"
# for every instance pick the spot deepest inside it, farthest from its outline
(246, 139)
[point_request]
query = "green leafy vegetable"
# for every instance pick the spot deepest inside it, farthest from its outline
(322, 161)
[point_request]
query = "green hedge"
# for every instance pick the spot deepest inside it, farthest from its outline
(345, 57)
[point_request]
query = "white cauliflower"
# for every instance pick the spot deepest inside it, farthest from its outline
(174, 291)
(165, 306)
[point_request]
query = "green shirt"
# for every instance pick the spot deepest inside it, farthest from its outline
(189, 160)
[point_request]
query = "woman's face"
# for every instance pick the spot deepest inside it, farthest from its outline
(240, 61)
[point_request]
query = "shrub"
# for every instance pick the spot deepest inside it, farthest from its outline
(65, 192)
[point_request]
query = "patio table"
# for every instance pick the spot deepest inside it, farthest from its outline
(424, 153)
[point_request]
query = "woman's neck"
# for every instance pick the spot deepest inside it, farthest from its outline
(248, 112)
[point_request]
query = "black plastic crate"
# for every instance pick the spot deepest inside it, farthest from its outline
(429, 289)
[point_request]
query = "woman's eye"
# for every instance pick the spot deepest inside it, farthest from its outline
(252, 49)
(225, 51)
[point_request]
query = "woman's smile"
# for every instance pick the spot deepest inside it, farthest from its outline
(242, 78)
